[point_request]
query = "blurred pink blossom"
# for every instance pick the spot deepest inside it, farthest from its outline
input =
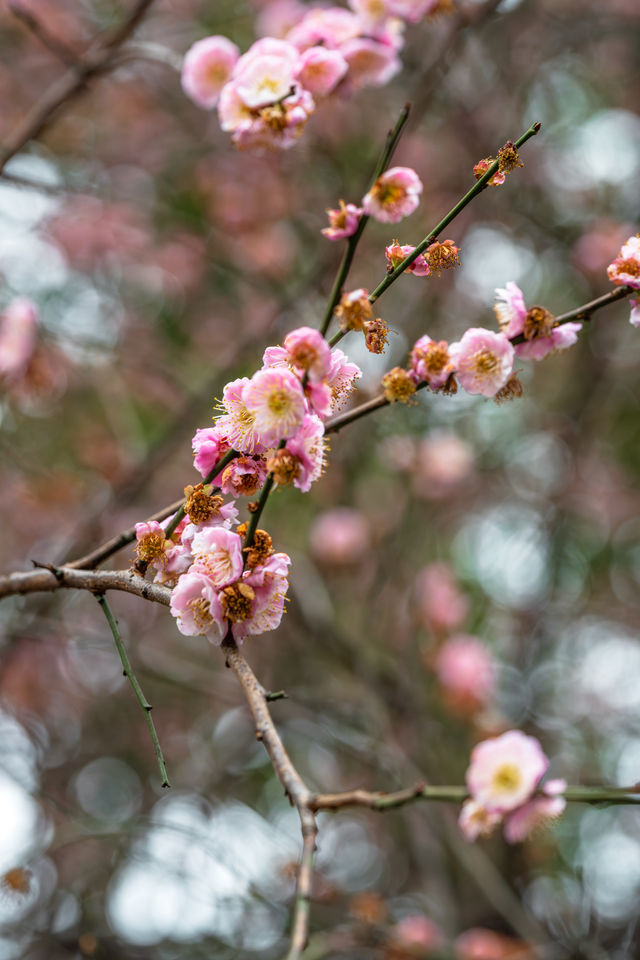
(18, 333)
(418, 931)
(320, 70)
(442, 607)
(481, 944)
(396, 253)
(207, 66)
(504, 771)
(466, 671)
(444, 461)
(371, 64)
(340, 536)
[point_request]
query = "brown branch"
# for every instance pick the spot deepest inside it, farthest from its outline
(54, 44)
(294, 786)
(109, 547)
(98, 59)
(48, 578)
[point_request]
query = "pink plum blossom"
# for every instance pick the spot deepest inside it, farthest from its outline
(308, 352)
(274, 398)
(561, 337)
(278, 17)
(476, 821)
(432, 361)
(510, 309)
(466, 672)
(441, 605)
(331, 27)
(18, 326)
(625, 269)
(218, 555)
(371, 64)
(320, 70)
(319, 398)
(343, 222)
(634, 317)
(195, 605)
(484, 361)
(208, 65)
(480, 944)
(343, 374)
(244, 476)
(394, 195)
(264, 80)
(538, 812)
(238, 424)
(396, 253)
(209, 446)
(269, 584)
(340, 536)
(505, 771)
(308, 447)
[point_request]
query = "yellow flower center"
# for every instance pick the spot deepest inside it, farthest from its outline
(485, 361)
(279, 402)
(507, 778)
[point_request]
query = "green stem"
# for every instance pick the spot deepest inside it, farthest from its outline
(220, 465)
(347, 259)
(137, 689)
(477, 188)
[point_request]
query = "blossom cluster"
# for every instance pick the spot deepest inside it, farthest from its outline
(504, 785)
(266, 95)
(269, 424)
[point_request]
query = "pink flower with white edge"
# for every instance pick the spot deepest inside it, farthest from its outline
(268, 582)
(432, 361)
(208, 66)
(505, 771)
(537, 813)
(465, 669)
(320, 70)
(561, 337)
(372, 13)
(371, 64)
(394, 195)
(484, 361)
(233, 113)
(625, 269)
(476, 821)
(275, 399)
(634, 316)
(218, 555)
(264, 80)
(195, 605)
(343, 374)
(510, 309)
(18, 326)
(330, 27)
(396, 253)
(308, 352)
(342, 222)
(239, 423)
(308, 447)
(209, 445)
(151, 545)
(319, 397)
(244, 476)
(177, 560)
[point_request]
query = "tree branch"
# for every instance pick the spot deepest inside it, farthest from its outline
(48, 578)
(98, 59)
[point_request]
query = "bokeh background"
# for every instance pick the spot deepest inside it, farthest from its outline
(163, 262)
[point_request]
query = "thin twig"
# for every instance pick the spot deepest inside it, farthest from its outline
(53, 44)
(294, 786)
(137, 689)
(385, 159)
(98, 59)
